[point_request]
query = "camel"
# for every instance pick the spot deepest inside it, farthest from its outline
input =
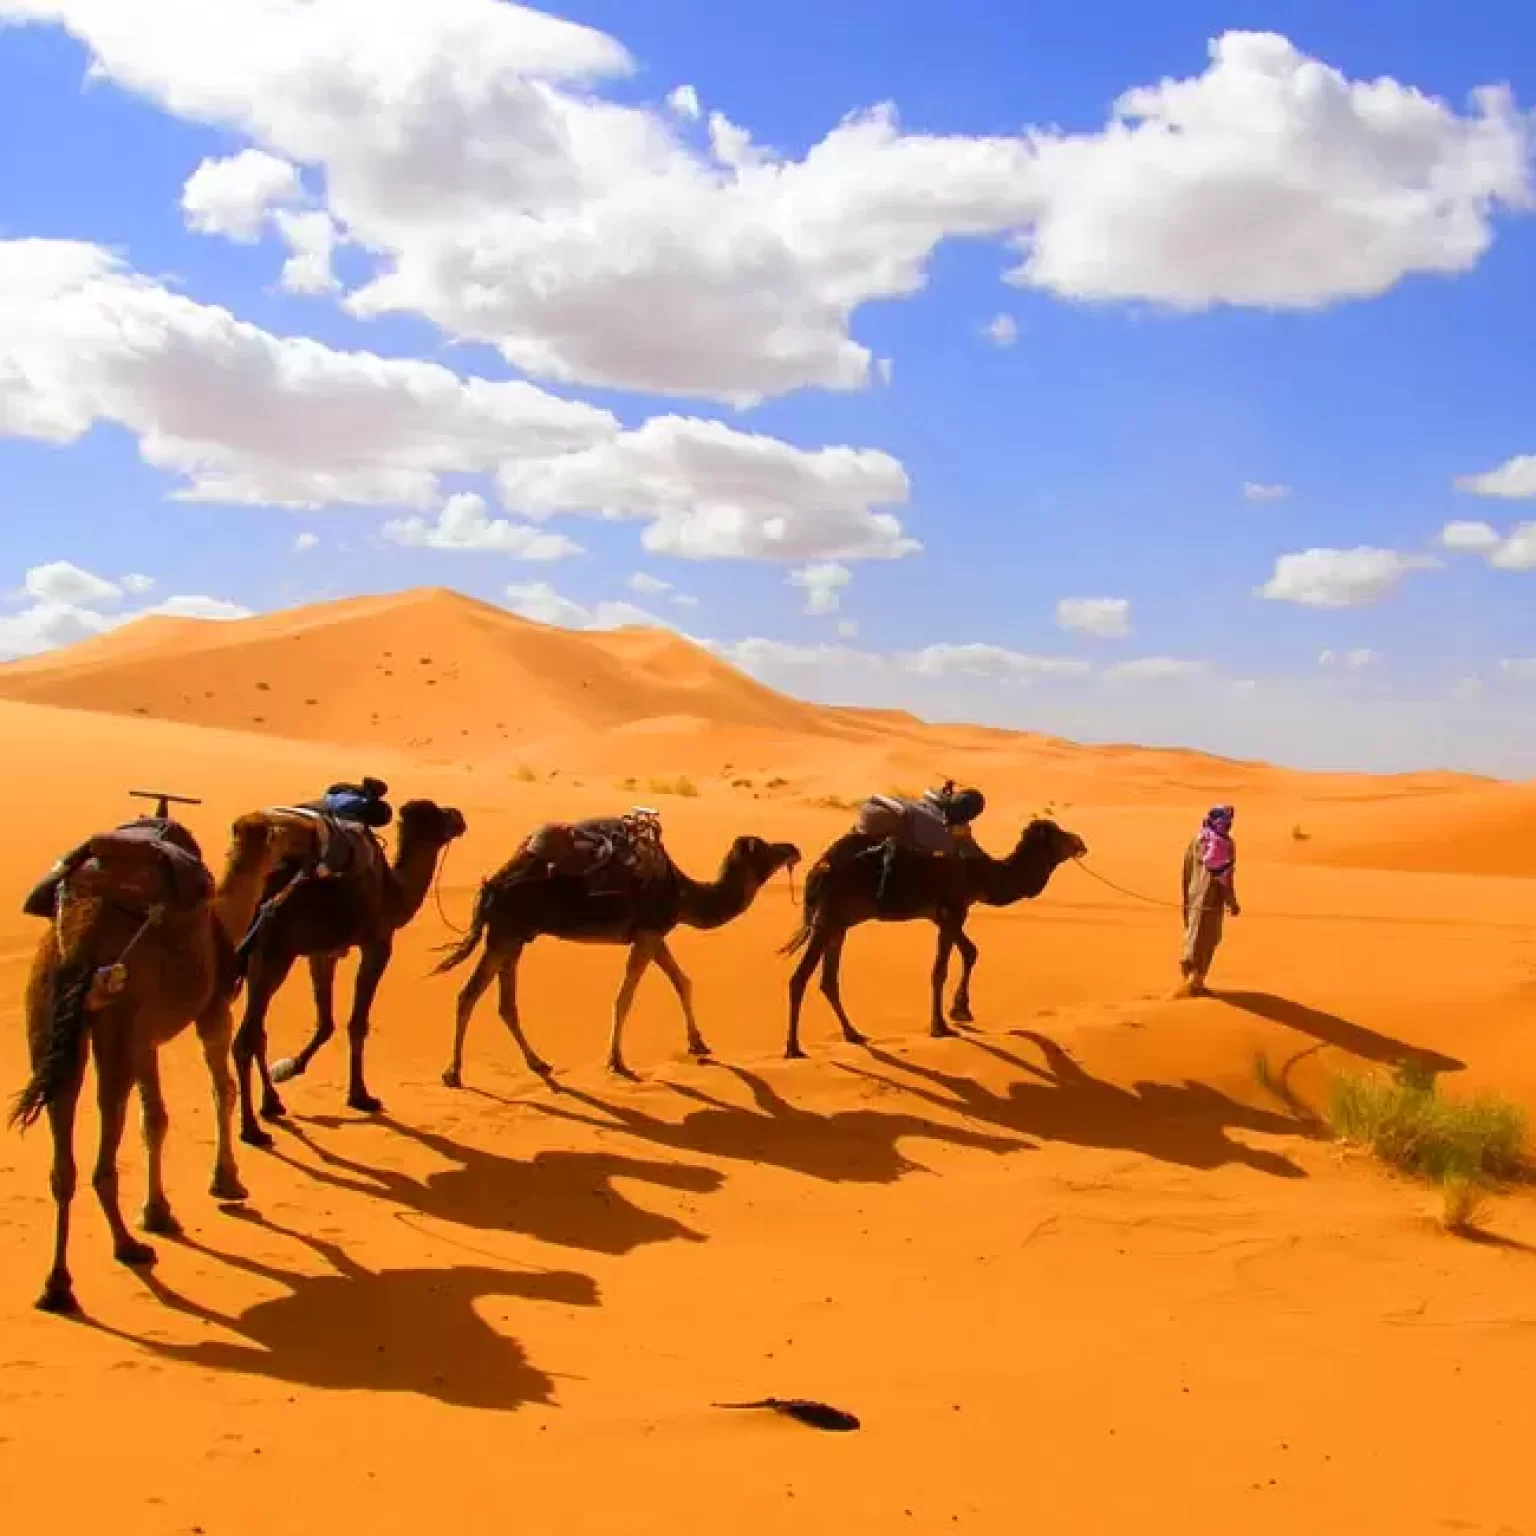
(524, 900)
(135, 952)
(841, 892)
(321, 920)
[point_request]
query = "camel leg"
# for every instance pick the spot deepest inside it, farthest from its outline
(115, 1075)
(666, 962)
(370, 972)
(58, 1290)
(831, 987)
(214, 1030)
(938, 1028)
(506, 1002)
(814, 948)
(158, 1216)
(641, 953)
(960, 1010)
(251, 1042)
(322, 982)
(470, 994)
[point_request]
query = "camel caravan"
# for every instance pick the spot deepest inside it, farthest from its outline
(144, 940)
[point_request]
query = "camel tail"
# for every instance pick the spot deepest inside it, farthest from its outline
(460, 951)
(59, 1060)
(815, 884)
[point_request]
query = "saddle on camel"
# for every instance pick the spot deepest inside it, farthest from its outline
(607, 853)
(938, 824)
(345, 819)
(148, 862)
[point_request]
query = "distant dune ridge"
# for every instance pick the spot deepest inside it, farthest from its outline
(449, 680)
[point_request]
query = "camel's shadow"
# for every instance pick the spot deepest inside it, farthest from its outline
(1188, 1124)
(393, 1330)
(566, 1198)
(846, 1146)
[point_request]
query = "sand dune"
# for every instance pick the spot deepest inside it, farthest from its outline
(1076, 1272)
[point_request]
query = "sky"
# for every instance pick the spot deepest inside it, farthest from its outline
(1123, 372)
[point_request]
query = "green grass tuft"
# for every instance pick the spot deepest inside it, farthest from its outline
(1462, 1146)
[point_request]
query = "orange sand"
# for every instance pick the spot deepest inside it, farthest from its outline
(1077, 1272)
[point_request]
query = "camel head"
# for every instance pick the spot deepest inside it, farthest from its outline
(762, 860)
(1044, 839)
(426, 823)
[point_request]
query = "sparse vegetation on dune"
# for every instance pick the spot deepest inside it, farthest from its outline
(524, 774)
(834, 803)
(681, 785)
(1463, 1147)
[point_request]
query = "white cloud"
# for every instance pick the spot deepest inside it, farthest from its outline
(990, 661)
(311, 239)
(1340, 578)
(539, 601)
(243, 415)
(1514, 552)
(1354, 660)
(1470, 538)
(1523, 669)
(710, 492)
(759, 655)
(1513, 480)
(1157, 669)
(647, 585)
(468, 148)
(65, 604)
(1272, 180)
(246, 416)
(137, 583)
(684, 100)
(463, 523)
(61, 582)
(822, 584)
(1257, 490)
(1107, 617)
(1002, 330)
(305, 542)
(233, 196)
(847, 629)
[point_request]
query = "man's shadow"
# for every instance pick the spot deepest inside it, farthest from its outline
(1330, 1029)
(392, 1330)
(560, 1197)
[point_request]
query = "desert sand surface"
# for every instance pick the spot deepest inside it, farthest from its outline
(1076, 1271)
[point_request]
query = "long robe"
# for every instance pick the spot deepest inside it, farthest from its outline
(1206, 898)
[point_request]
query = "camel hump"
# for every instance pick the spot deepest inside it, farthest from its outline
(142, 863)
(600, 848)
(342, 846)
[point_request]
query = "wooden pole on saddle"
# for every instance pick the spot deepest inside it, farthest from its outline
(163, 800)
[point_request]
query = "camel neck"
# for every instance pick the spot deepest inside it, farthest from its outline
(412, 869)
(238, 892)
(712, 904)
(1022, 875)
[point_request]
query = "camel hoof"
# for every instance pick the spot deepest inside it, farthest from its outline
(365, 1102)
(254, 1136)
(961, 1016)
(451, 1078)
(59, 1298)
(941, 1031)
(160, 1220)
(134, 1255)
(227, 1186)
(795, 1053)
(620, 1068)
(274, 1109)
(700, 1049)
(285, 1070)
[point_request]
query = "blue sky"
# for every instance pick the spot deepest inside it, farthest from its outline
(1316, 281)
